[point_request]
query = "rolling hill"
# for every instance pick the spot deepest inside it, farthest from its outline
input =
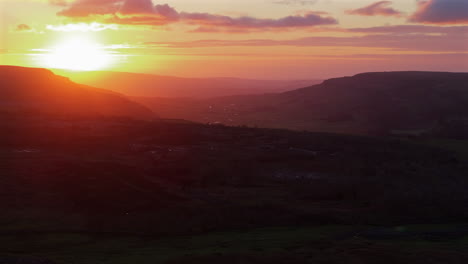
(39, 91)
(368, 103)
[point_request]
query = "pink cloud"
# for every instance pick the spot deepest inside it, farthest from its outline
(137, 7)
(142, 12)
(376, 9)
(87, 8)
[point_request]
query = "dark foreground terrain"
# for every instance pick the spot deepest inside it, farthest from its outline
(103, 190)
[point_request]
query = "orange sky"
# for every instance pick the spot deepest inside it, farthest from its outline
(267, 39)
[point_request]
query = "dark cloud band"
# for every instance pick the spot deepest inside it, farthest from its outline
(441, 12)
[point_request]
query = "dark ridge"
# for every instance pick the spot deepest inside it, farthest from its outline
(34, 90)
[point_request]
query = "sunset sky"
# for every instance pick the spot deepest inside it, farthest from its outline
(263, 39)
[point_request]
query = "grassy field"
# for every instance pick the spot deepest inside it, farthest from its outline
(458, 146)
(325, 244)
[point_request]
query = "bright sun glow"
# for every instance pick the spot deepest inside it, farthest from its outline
(79, 54)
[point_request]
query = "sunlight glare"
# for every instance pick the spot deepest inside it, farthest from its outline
(79, 54)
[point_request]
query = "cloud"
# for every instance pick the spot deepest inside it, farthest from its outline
(83, 27)
(294, 2)
(143, 12)
(87, 8)
(441, 12)
(406, 42)
(376, 9)
(412, 29)
(246, 22)
(23, 28)
(137, 7)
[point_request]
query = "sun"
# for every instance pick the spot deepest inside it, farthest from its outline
(79, 54)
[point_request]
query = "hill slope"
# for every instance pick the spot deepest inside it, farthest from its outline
(40, 91)
(366, 103)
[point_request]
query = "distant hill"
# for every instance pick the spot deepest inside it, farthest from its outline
(368, 103)
(149, 85)
(39, 91)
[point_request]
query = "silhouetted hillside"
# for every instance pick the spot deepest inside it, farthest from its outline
(149, 85)
(369, 103)
(39, 91)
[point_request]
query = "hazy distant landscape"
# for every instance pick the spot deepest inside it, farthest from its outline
(150, 85)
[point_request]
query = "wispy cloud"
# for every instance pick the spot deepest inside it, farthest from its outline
(143, 12)
(413, 29)
(294, 2)
(393, 40)
(83, 27)
(376, 9)
(23, 27)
